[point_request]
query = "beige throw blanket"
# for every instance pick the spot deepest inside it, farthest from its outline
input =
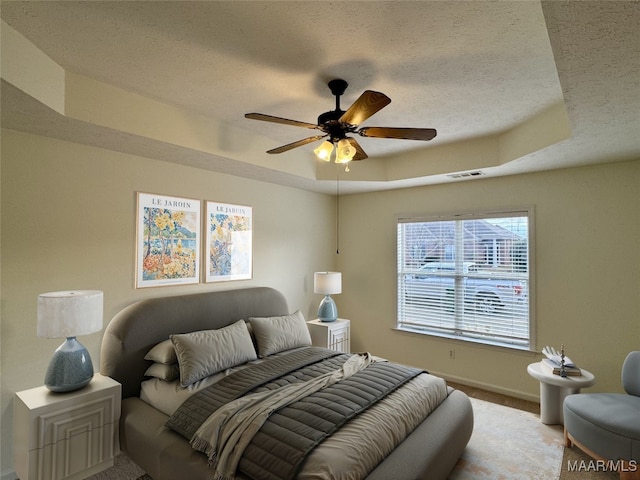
(224, 436)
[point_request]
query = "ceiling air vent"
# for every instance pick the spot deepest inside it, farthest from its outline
(475, 173)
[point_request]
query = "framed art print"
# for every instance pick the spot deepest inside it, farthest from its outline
(229, 242)
(167, 240)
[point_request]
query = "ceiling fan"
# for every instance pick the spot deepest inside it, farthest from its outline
(336, 124)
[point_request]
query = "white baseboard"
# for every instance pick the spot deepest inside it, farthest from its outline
(489, 387)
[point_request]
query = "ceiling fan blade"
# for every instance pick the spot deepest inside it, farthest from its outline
(401, 133)
(286, 121)
(360, 153)
(299, 143)
(366, 105)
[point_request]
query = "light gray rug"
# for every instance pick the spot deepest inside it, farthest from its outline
(509, 444)
(123, 469)
(577, 465)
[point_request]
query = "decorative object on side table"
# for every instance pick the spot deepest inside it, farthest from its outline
(559, 363)
(327, 283)
(67, 314)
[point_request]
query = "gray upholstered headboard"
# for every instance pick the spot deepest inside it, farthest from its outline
(138, 327)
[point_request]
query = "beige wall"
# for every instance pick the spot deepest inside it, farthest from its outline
(587, 263)
(68, 222)
(68, 217)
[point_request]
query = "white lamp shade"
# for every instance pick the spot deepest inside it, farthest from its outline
(70, 313)
(323, 152)
(345, 151)
(327, 283)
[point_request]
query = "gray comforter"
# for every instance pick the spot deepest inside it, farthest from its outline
(269, 433)
(272, 373)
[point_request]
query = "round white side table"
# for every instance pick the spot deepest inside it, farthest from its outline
(554, 389)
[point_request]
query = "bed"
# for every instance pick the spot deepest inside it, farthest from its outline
(152, 430)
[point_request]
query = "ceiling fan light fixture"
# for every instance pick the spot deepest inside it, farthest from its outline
(345, 151)
(323, 152)
(336, 124)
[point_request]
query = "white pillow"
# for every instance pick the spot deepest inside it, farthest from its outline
(162, 353)
(163, 371)
(168, 396)
(277, 334)
(206, 352)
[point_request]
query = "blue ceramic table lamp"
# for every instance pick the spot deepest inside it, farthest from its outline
(67, 314)
(327, 283)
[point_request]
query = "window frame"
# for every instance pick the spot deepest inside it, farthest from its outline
(526, 211)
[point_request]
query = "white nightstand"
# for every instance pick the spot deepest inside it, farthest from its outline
(334, 335)
(66, 435)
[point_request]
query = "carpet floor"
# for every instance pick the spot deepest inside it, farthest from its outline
(577, 465)
(507, 443)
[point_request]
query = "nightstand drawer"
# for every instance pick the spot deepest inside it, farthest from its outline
(339, 339)
(66, 435)
(76, 456)
(64, 424)
(333, 335)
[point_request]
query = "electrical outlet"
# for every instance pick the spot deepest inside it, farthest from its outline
(452, 354)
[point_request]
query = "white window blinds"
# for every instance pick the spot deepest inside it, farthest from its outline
(466, 276)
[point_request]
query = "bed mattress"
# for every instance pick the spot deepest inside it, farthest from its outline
(356, 448)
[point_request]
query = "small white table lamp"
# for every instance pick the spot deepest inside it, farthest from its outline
(327, 283)
(67, 314)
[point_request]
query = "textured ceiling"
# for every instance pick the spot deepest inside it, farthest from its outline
(473, 70)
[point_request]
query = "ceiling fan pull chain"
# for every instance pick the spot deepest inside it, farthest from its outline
(337, 209)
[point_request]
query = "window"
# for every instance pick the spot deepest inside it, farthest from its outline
(467, 276)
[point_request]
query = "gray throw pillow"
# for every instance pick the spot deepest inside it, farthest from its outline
(206, 352)
(277, 334)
